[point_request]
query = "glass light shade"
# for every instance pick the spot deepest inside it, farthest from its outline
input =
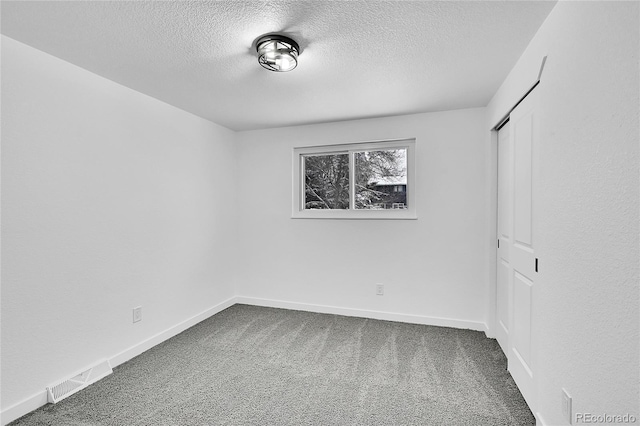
(277, 53)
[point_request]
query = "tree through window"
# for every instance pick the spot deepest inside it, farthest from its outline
(379, 177)
(326, 179)
(341, 180)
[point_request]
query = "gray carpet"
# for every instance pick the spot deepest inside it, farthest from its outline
(250, 365)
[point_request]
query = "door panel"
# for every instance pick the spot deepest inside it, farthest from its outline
(505, 184)
(523, 194)
(504, 272)
(522, 317)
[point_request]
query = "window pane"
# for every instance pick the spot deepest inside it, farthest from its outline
(381, 179)
(326, 179)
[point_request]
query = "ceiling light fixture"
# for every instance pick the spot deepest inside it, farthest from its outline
(277, 52)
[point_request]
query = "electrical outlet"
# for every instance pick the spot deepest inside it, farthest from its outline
(566, 406)
(137, 314)
(380, 289)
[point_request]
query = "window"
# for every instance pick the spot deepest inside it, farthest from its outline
(370, 180)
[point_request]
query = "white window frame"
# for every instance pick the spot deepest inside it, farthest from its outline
(299, 212)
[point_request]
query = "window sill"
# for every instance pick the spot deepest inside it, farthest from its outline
(356, 214)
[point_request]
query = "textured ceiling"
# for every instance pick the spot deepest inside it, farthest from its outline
(359, 59)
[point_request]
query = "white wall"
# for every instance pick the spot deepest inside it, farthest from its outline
(110, 200)
(587, 298)
(433, 267)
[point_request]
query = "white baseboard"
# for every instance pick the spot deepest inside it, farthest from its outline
(38, 400)
(489, 331)
(152, 341)
(23, 407)
(362, 313)
(539, 420)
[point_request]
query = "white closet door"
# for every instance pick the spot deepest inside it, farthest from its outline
(505, 233)
(523, 121)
